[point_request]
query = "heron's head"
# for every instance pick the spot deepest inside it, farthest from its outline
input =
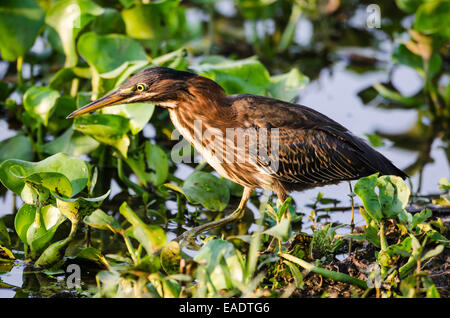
(162, 86)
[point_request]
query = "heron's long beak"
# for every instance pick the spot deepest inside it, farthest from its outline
(111, 99)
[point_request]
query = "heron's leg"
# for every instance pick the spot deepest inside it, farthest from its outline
(236, 215)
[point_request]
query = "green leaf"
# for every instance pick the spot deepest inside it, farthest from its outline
(71, 143)
(154, 22)
(16, 147)
(375, 140)
(409, 6)
(37, 234)
(74, 169)
(20, 23)
(236, 77)
(432, 253)
(408, 102)
(206, 189)
(24, 218)
(52, 181)
(52, 254)
(430, 17)
(281, 231)
(138, 113)
(110, 54)
(39, 103)
(94, 255)
(100, 220)
(224, 264)
(287, 86)
(365, 189)
(298, 276)
(152, 237)
(108, 129)
(68, 18)
(157, 162)
(393, 195)
(78, 208)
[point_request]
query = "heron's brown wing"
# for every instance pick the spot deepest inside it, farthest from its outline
(312, 157)
(313, 148)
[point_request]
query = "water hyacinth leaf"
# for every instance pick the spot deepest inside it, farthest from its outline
(57, 121)
(39, 103)
(430, 16)
(287, 86)
(94, 255)
(409, 6)
(176, 60)
(16, 147)
(100, 220)
(206, 189)
(24, 218)
(152, 237)
(20, 23)
(237, 77)
(281, 231)
(365, 189)
(74, 169)
(109, 21)
(52, 254)
(154, 22)
(68, 18)
(72, 143)
(393, 195)
(37, 233)
(224, 263)
(62, 78)
(110, 54)
(52, 181)
(157, 162)
(170, 258)
(77, 208)
(108, 129)
(138, 113)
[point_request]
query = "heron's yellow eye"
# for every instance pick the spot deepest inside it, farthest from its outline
(141, 87)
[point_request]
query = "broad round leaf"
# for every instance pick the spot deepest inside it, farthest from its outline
(110, 54)
(74, 169)
(20, 22)
(237, 77)
(39, 103)
(17, 147)
(68, 18)
(208, 190)
(108, 129)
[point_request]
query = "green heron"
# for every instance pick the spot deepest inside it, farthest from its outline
(312, 149)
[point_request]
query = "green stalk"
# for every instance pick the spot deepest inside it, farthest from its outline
(288, 33)
(383, 241)
(129, 247)
(19, 70)
(340, 277)
(136, 188)
(74, 87)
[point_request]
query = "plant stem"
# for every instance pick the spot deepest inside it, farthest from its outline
(341, 277)
(19, 70)
(383, 241)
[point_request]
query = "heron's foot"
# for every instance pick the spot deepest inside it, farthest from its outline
(189, 236)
